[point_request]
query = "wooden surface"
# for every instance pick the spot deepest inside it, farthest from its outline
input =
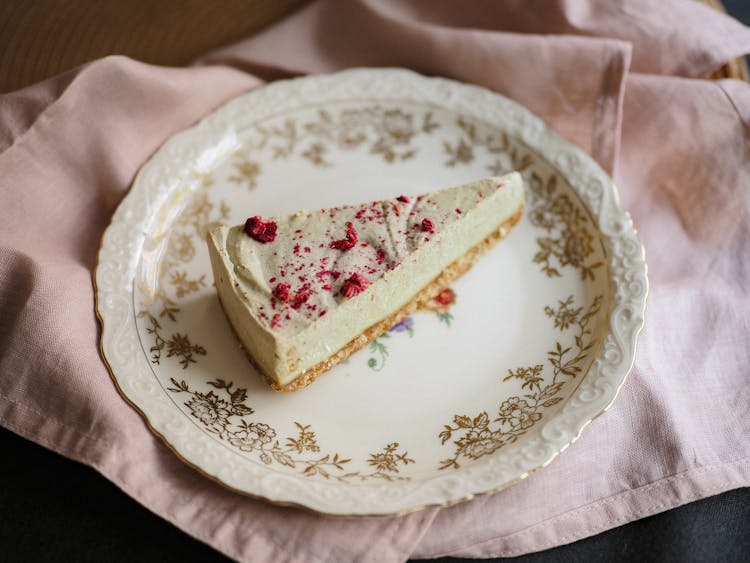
(736, 68)
(41, 38)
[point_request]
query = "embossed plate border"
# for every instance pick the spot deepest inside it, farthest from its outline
(124, 238)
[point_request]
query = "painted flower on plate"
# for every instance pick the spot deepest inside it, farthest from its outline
(402, 326)
(398, 126)
(518, 413)
(252, 436)
(212, 411)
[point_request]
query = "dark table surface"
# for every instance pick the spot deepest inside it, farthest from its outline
(54, 509)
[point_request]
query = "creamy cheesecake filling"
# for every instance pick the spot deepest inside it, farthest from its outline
(397, 246)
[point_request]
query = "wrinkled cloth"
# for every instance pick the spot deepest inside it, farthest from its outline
(624, 80)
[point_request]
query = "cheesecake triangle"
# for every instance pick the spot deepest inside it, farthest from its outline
(305, 291)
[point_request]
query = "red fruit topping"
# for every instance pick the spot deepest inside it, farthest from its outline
(354, 285)
(428, 225)
(281, 291)
(259, 230)
(300, 297)
(323, 273)
(403, 199)
(349, 242)
(458, 211)
(380, 255)
(397, 210)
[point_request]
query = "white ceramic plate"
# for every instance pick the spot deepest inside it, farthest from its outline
(462, 399)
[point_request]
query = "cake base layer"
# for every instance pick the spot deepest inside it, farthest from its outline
(446, 277)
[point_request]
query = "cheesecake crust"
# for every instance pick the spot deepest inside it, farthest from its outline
(424, 296)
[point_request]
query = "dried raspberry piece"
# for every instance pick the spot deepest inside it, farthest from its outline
(349, 242)
(281, 291)
(262, 231)
(300, 297)
(428, 225)
(323, 273)
(354, 285)
(403, 199)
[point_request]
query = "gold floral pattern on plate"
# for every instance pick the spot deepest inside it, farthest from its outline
(173, 283)
(177, 345)
(384, 132)
(226, 417)
(478, 436)
(570, 236)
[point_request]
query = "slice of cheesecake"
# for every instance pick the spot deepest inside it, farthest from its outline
(304, 291)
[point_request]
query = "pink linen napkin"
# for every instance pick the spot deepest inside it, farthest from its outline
(619, 79)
